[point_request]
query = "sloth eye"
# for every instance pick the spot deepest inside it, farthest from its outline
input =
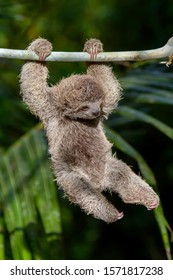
(85, 108)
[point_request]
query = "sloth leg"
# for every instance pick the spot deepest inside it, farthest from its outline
(78, 189)
(131, 188)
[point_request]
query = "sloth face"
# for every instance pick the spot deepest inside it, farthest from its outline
(85, 110)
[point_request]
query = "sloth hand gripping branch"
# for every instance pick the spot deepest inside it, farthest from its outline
(72, 112)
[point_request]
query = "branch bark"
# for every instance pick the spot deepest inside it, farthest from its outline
(165, 51)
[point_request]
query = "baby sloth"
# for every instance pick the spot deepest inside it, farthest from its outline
(72, 112)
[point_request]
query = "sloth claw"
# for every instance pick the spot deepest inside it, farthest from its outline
(152, 206)
(120, 215)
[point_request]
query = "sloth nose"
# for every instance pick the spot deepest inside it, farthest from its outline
(95, 112)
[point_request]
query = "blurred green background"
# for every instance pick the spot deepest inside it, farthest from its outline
(36, 222)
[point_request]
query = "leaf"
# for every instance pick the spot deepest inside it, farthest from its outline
(164, 227)
(2, 237)
(140, 116)
(126, 148)
(148, 80)
(147, 173)
(152, 99)
(27, 189)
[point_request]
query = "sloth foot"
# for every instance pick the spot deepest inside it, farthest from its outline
(93, 47)
(153, 205)
(41, 47)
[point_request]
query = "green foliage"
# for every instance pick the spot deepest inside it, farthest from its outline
(141, 82)
(30, 216)
(148, 175)
(141, 130)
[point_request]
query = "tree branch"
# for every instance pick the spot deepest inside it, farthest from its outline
(165, 51)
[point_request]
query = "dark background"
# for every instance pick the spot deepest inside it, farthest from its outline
(120, 25)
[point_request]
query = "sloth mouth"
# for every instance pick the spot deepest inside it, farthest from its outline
(90, 122)
(91, 117)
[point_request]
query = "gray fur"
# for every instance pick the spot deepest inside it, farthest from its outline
(72, 112)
